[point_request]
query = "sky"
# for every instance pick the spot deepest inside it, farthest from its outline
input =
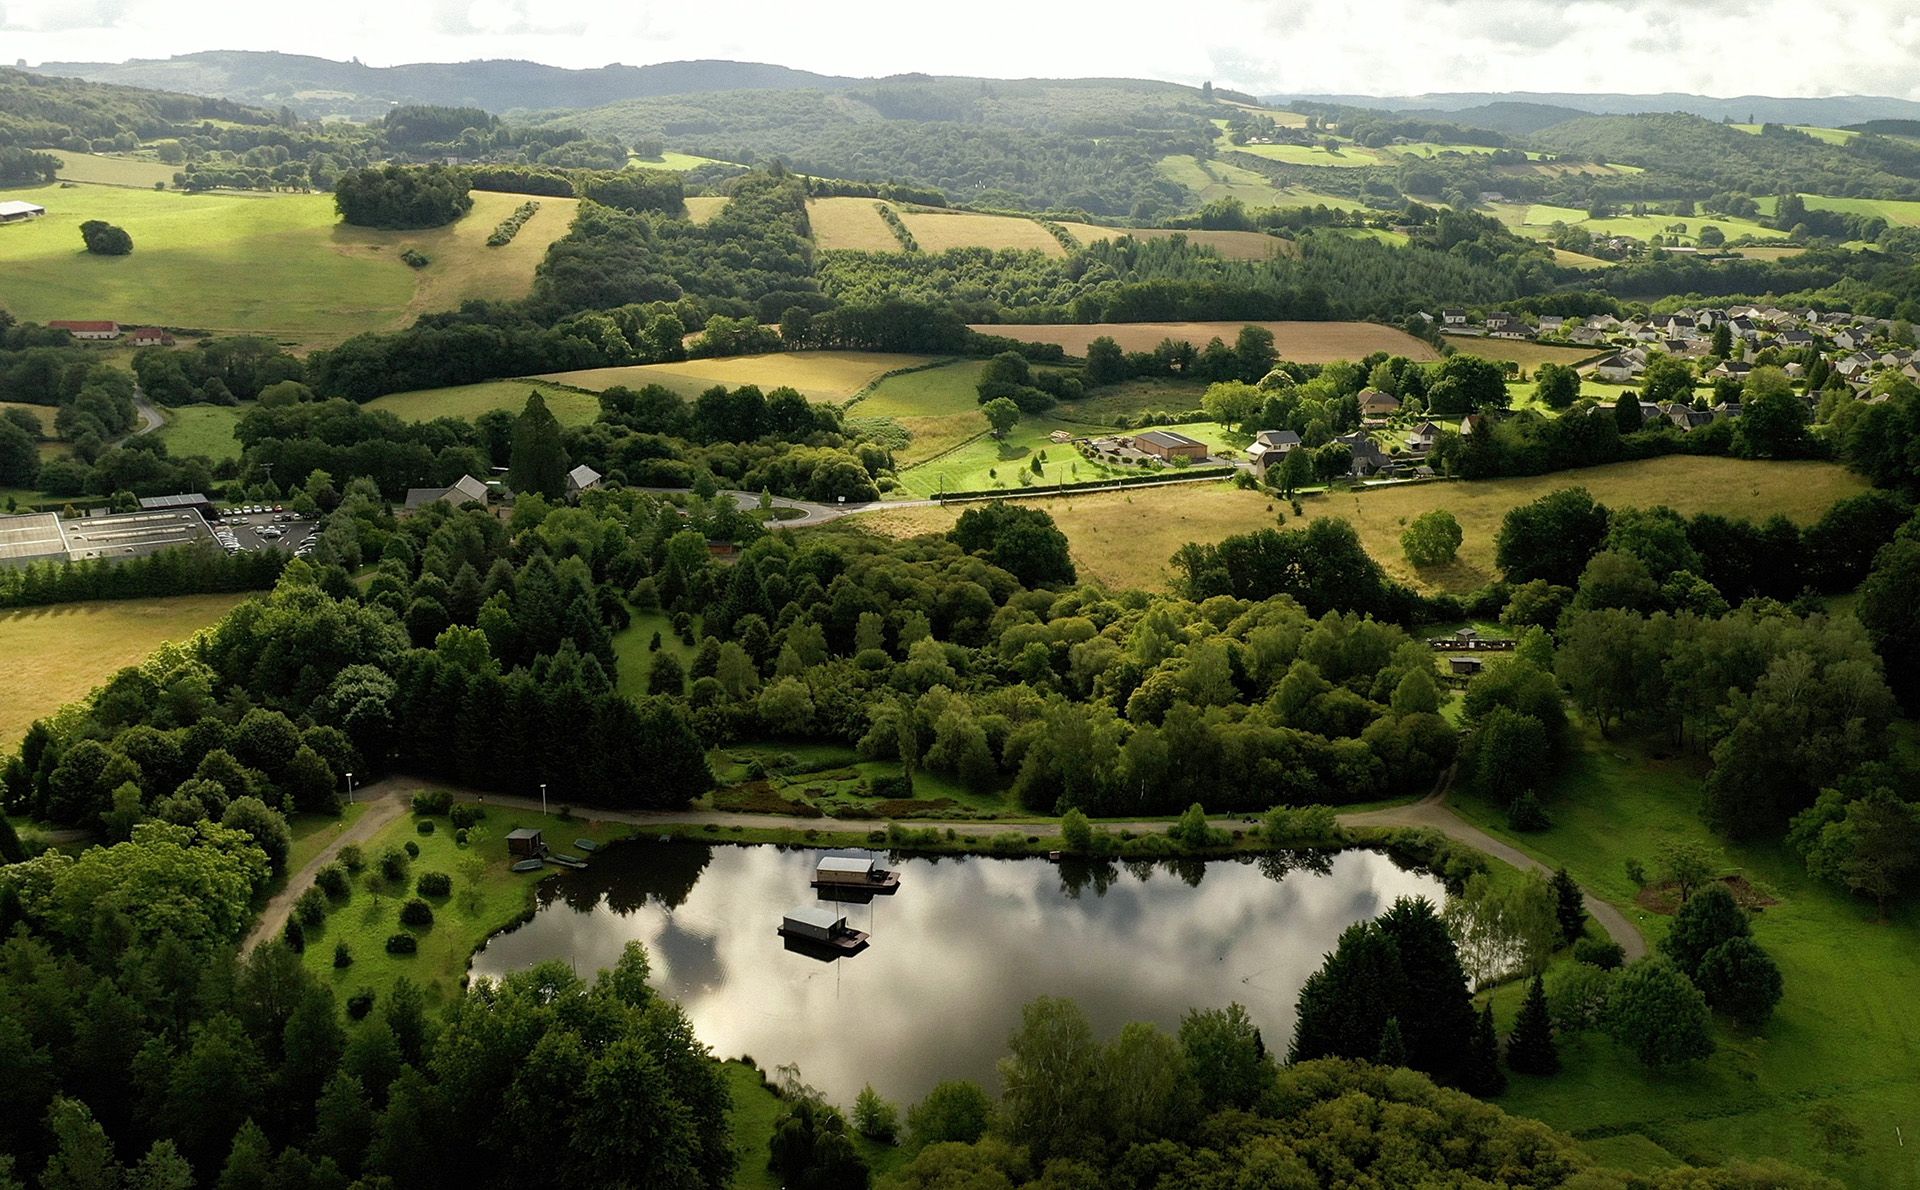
(1398, 47)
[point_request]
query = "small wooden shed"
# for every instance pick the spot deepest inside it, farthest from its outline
(526, 842)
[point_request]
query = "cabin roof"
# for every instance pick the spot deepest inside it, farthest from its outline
(844, 863)
(815, 916)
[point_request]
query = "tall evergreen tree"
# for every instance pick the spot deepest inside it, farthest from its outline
(1530, 1047)
(1434, 1005)
(538, 461)
(1482, 1075)
(1393, 1051)
(1569, 906)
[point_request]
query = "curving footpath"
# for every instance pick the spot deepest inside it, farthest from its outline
(392, 798)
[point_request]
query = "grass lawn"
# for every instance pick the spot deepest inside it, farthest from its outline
(59, 654)
(468, 401)
(313, 832)
(487, 896)
(273, 264)
(1123, 539)
(834, 376)
(202, 430)
(756, 1108)
(633, 654)
(985, 462)
(1846, 1033)
(1300, 342)
(1520, 351)
(939, 406)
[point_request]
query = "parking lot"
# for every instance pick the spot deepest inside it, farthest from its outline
(260, 527)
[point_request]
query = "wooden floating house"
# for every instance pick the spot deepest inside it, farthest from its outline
(846, 873)
(814, 926)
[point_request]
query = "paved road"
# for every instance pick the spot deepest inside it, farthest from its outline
(391, 799)
(151, 418)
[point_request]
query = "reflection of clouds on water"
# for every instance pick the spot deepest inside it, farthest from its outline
(955, 953)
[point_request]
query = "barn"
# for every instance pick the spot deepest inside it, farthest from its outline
(1170, 445)
(19, 212)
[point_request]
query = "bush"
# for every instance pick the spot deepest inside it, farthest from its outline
(312, 906)
(104, 239)
(415, 259)
(360, 1004)
(434, 884)
(1603, 953)
(433, 801)
(510, 226)
(351, 857)
(416, 912)
(403, 944)
(465, 814)
(424, 826)
(412, 849)
(333, 881)
(1527, 814)
(898, 785)
(460, 837)
(393, 863)
(296, 936)
(342, 956)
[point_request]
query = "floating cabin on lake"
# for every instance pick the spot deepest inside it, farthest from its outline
(840, 873)
(817, 928)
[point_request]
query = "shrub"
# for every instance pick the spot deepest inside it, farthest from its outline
(1603, 953)
(393, 863)
(432, 801)
(342, 956)
(403, 944)
(312, 906)
(360, 1004)
(465, 814)
(898, 785)
(412, 849)
(460, 837)
(333, 881)
(434, 884)
(416, 912)
(509, 227)
(296, 936)
(424, 826)
(351, 857)
(415, 258)
(1527, 814)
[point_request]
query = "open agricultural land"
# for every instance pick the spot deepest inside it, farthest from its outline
(202, 430)
(1300, 342)
(1537, 221)
(938, 406)
(468, 401)
(701, 208)
(832, 376)
(1524, 352)
(55, 655)
(1123, 539)
(855, 224)
(281, 265)
(143, 173)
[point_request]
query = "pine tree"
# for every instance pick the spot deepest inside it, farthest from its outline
(1482, 1075)
(250, 1163)
(1570, 906)
(538, 462)
(1530, 1048)
(1393, 1051)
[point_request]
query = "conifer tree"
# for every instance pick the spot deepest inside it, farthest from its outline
(1482, 1075)
(538, 462)
(1530, 1048)
(1393, 1051)
(1569, 906)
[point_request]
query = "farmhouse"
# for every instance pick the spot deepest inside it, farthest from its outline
(88, 330)
(465, 490)
(1169, 445)
(1376, 404)
(1423, 436)
(1270, 447)
(20, 212)
(44, 537)
(582, 479)
(150, 336)
(1368, 458)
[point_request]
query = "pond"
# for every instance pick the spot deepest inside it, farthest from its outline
(955, 953)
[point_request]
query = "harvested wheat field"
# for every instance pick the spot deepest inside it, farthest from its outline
(1233, 245)
(1123, 539)
(703, 207)
(851, 224)
(937, 231)
(819, 375)
(1300, 342)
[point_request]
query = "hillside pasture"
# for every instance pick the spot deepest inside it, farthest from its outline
(468, 401)
(851, 224)
(1233, 245)
(280, 265)
(1537, 220)
(936, 231)
(1209, 181)
(939, 407)
(1123, 539)
(202, 430)
(833, 376)
(1340, 156)
(1899, 212)
(97, 169)
(57, 655)
(1521, 351)
(702, 207)
(1300, 342)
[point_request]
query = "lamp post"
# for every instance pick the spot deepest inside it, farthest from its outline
(349, 788)
(543, 797)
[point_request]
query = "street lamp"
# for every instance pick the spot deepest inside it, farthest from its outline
(349, 788)
(543, 797)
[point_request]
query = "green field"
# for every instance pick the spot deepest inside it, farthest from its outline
(985, 462)
(44, 414)
(139, 172)
(1831, 136)
(677, 162)
(1899, 212)
(274, 264)
(59, 654)
(939, 406)
(468, 401)
(1344, 156)
(202, 430)
(1845, 1034)
(633, 654)
(1537, 221)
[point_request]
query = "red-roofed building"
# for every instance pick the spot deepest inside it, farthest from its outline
(151, 336)
(88, 330)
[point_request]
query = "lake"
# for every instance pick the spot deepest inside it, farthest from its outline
(955, 953)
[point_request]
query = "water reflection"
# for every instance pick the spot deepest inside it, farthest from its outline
(955, 954)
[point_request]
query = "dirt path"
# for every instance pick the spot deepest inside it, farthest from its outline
(390, 799)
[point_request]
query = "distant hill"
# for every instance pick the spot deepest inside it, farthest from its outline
(1834, 111)
(1514, 119)
(1683, 146)
(315, 87)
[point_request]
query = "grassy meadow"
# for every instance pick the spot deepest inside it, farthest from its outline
(701, 208)
(939, 406)
(101, 170)
(202, 430)
(468, 401)
(57, 655)
(274, 264)
(1537, 221)
(633, 653)
(820, 375)
(1123, 539)
(1527, 354)
(1301, 342)
(1844, 1035)
(1341, 156)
